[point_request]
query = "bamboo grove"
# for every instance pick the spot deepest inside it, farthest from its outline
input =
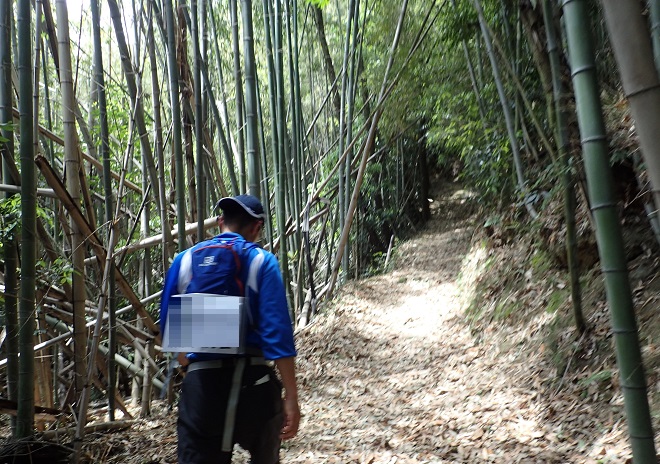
(121, 130)
(124, 122)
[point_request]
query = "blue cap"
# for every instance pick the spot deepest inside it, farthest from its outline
(249, 203)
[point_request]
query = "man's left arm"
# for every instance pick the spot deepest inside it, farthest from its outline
(277, 337)
(286, 368)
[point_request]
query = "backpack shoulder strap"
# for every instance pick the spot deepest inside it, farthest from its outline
(253, 271)
(185, 272)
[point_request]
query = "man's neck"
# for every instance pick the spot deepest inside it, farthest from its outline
(227, 230)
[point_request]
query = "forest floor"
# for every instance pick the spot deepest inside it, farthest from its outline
(402, 368)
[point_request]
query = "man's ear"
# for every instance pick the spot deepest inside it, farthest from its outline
(255, 229)
(221, 221)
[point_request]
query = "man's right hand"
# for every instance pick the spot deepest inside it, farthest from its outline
(183, 361)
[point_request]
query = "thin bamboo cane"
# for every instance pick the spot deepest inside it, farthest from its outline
(166, 243)
(136, 98)
(229, 156)
(199, 139)
(9, 247)
(74, 211)
(173, 73)
(25, 417)
(363, 163)
(506, 109)
(238, 90)
(251, 117)
(72, 168)
(566, 174)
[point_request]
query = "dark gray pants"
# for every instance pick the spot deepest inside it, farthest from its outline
(202, 407)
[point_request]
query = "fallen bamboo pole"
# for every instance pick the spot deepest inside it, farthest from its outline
(17, 189)
(155, 240)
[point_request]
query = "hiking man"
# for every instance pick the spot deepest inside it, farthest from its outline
(227, 399)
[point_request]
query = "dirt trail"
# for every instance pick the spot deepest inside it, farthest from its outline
(392, 373)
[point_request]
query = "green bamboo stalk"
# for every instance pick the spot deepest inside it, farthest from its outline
(104, 150)
(9, 247)
(264, 169)
(199, 119)
(204, 52)
(344, 189)
(350, 107)
(295, 120)
(229, 156)
(136, 97)
(295, 186)
(566, 175)
(506, 108)
(25, 415)
(238, 85)
(386, 86)
(216, 114)
(73, 185)
(608, 229)
(173, 72)
(282, 158)
(272, 101)
(166, 251)
(251, 120)
(272, 87)
(473, 80)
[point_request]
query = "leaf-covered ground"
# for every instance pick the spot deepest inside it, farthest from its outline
(397, 370)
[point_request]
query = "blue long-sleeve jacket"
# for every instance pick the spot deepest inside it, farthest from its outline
(270, 329)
